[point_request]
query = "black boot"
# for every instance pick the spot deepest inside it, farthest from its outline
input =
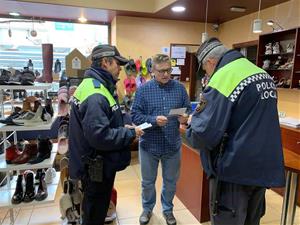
(42, 192)
(29, 187)
(18, 195)
(44, 150)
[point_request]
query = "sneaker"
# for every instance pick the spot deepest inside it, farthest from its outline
(276, 48)
(170, 219)
(50, 175)
(268, 49)
(111, 213)
(290, 48)
(145, 217)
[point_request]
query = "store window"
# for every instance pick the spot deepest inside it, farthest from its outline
(21, 40)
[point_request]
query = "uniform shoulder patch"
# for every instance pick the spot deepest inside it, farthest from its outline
(201, 106)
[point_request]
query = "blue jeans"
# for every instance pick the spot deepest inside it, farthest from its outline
(170, 164)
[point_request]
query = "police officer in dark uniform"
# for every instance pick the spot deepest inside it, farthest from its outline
(98, 140)
(236, 129)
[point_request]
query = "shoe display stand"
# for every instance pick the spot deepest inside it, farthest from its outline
(7, 191)
(279, 55)
(37, 87)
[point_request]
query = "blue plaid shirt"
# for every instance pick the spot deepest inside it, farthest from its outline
(152, 100)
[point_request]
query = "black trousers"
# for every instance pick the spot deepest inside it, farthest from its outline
(237, 204)
(96, 199)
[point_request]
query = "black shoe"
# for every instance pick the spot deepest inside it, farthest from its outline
(170, 219)
(4, 76)
(18, 195)
(42, 192)
(44, 150)
(39, 173)
(29, 187)
(145, 217)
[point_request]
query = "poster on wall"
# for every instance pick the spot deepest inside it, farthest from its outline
(176, 70)
(180, 62)
(178, 52)
(165, 50)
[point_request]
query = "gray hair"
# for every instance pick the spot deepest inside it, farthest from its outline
(216, 53)
(160, 58)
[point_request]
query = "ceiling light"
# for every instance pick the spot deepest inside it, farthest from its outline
(257, 26)
(205, 34)
(275, 26)
(14, 14)
(178, 8)
(82, 19)
(257, 23)
(237, 9)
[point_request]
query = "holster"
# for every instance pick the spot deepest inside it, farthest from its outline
(94, 167)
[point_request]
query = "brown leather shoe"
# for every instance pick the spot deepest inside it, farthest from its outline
(29, 152)
(12, 153)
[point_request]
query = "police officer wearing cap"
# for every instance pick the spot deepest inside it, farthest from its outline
(237, 131)
(98, 140)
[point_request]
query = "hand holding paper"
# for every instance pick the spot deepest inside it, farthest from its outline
(177, 112)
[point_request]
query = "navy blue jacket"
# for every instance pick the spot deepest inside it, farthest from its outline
(241, 101)
(98, 129)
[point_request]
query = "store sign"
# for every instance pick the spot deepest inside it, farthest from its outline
(64, 26)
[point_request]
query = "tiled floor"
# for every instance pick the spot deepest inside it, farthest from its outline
(129, 206)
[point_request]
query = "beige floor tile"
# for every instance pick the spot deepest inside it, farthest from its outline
(7, 220)
(45, 215)
(127, 174)
(178, 205)
(129, 207)
(128, 188)
(155, 220)
(23, 216)
(137, 170)
(183, 217)
(3, 213)
(272, 215)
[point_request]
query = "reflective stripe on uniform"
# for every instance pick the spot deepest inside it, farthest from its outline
(88, 88)
(228, 78)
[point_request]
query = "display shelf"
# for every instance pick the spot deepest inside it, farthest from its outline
(5, 195)
(4, 167)
(280, 54)
(47, 126)
(278, 69)
(36, 86)
(284, 39)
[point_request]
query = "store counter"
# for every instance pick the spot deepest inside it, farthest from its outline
(192, 187)
(291, 150)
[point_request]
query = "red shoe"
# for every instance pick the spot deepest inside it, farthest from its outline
(12, 153)
(29, 152)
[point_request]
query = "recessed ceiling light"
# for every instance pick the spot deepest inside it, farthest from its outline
(178, 8)
(237, 9)
(14, 14)
(82, 19)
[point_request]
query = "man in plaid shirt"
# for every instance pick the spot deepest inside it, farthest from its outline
(161, 142)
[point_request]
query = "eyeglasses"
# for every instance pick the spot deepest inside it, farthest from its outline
(162, 72)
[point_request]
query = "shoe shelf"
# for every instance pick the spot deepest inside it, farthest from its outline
(4, 167)
(36, 86)
(278, 69)
(47, 126)
(287, 44)
(6, 195)
(281, 54)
